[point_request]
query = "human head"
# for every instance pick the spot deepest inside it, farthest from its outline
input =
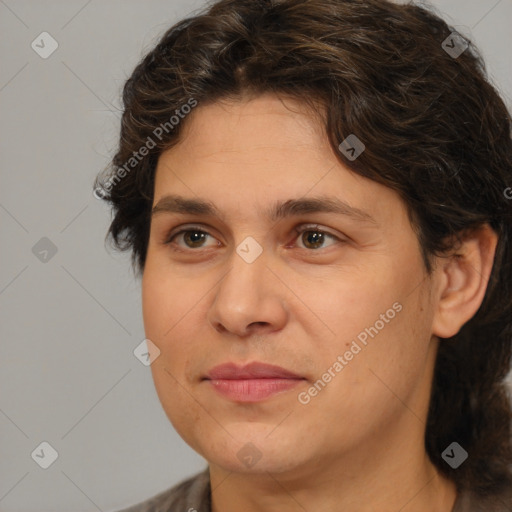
(435, 132)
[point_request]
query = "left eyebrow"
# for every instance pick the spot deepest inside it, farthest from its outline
(323, 204)
(280, 210)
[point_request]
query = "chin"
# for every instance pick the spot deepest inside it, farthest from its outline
(252, 451)
(274, 464)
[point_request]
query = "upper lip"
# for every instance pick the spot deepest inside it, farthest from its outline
(253, 370)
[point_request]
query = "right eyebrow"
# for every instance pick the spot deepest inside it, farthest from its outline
(178, 204)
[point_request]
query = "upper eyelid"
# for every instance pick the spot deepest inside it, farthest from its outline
(183, 229)
(297, 229)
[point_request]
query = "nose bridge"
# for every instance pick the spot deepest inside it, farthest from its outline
(241, 286)
(247, 294)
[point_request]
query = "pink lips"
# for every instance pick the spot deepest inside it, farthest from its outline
(251, 383)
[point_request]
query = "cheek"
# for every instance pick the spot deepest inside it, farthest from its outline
(166, 301)
(171, 312)
(350, 302)
(185, 413)
(165, 314)
(380, 321)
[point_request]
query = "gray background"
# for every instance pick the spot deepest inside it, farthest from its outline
(69, 325)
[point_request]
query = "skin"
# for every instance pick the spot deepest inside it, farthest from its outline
(358, 444)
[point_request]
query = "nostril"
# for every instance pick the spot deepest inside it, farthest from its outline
(258, 324)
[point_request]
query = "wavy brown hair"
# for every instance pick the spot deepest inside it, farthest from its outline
(435, 130)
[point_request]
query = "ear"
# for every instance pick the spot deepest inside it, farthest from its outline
(463, 279)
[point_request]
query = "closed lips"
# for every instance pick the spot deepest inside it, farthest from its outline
(255, 370)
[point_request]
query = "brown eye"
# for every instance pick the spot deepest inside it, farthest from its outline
(191, 238)
(196, 238)
(313, 238)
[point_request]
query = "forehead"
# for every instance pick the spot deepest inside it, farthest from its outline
(264, 151)
(265, 126)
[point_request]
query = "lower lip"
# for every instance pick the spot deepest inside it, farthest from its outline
(252, 390)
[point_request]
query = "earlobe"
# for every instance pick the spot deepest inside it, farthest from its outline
(463, 281)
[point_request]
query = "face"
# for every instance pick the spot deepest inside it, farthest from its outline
(290, 260)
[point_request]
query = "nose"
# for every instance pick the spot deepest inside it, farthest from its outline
(249, 299)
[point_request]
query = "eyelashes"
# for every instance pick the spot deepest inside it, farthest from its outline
(201, 235)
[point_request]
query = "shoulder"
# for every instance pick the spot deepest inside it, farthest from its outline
(190, 495)
(468, 501)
